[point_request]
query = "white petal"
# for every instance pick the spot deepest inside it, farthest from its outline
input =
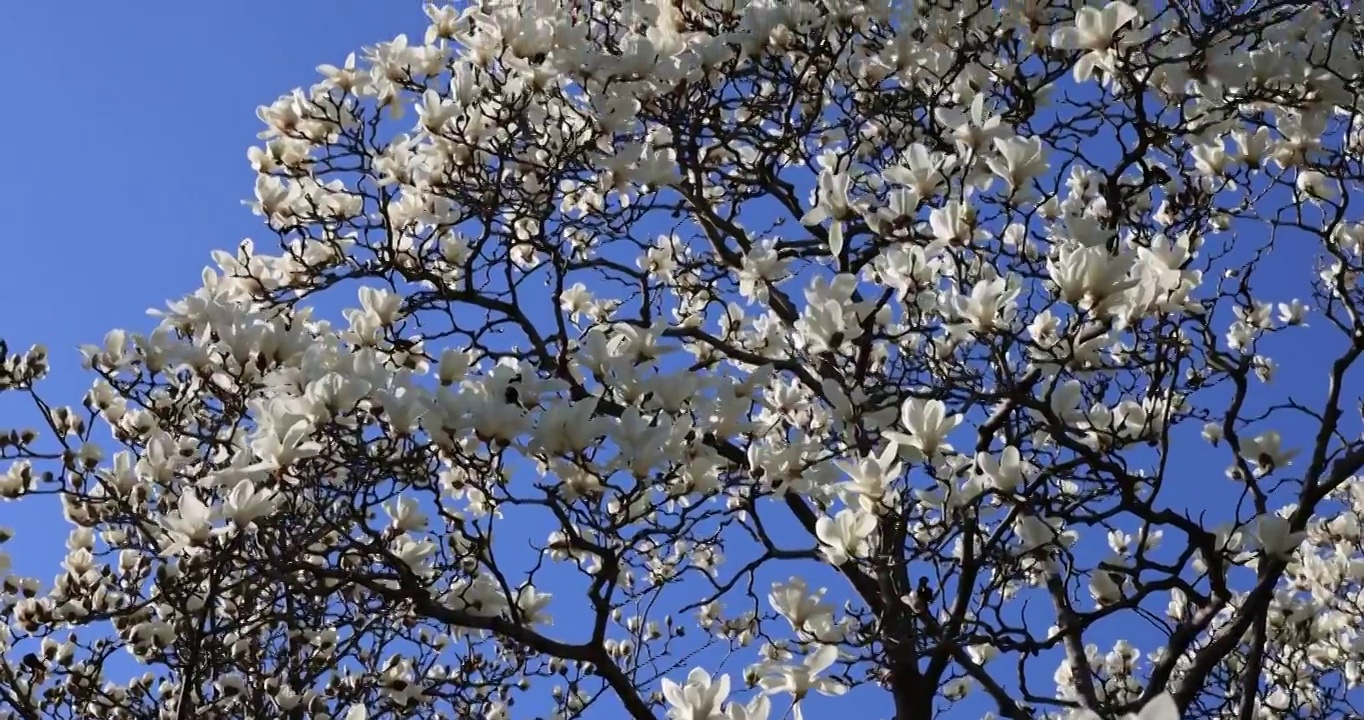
(1122, 13)
(836, 239)
(822, 658)
(1163, 707)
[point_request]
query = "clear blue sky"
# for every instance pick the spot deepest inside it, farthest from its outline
(127, 127)
(127, 130)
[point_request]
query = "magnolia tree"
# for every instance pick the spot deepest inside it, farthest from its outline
(712, 359)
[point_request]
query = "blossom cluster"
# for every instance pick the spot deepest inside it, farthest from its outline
(880, 348)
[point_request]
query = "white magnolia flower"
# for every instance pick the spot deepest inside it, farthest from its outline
(1105, 587)
(1007, 472)
(801, 680)
(928, 424)
(406, 515)
(973, 131)
(1161, 707)
(990, 305)
(1315, 185)
(870, 478)
(1266, 453)
(282, 441)
(759, 708)
(1019, 161)
(953, 224)
(1276, 537)
(1094, 32)
(805, 610)
(191, 524)
(698, 699)
(1089, 277)
(533, 606)
(845, 536)
(1035, 533)
(1252, 148)
(245, 504)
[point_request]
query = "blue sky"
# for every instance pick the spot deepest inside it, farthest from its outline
(128, 132)
(128, 146)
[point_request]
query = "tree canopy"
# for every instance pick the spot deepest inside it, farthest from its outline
(715, 359)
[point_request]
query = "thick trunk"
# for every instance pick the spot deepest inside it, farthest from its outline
(913, 699)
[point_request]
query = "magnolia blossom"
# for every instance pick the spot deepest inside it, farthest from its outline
(845, 536)
(1091, 276)
(928, 424)
(278, 446)
(1105, 588)
(1007, 472)
(1020, 160)
(698, 699)
(245, 504)
(973, 131)
(1276, 537)
(1094, 32)
(870, 478)
(1161, 707)
(192, 523)
(532, 604)
(1315, 185)
(1265, 452)
(805, 610)
(800, 680)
